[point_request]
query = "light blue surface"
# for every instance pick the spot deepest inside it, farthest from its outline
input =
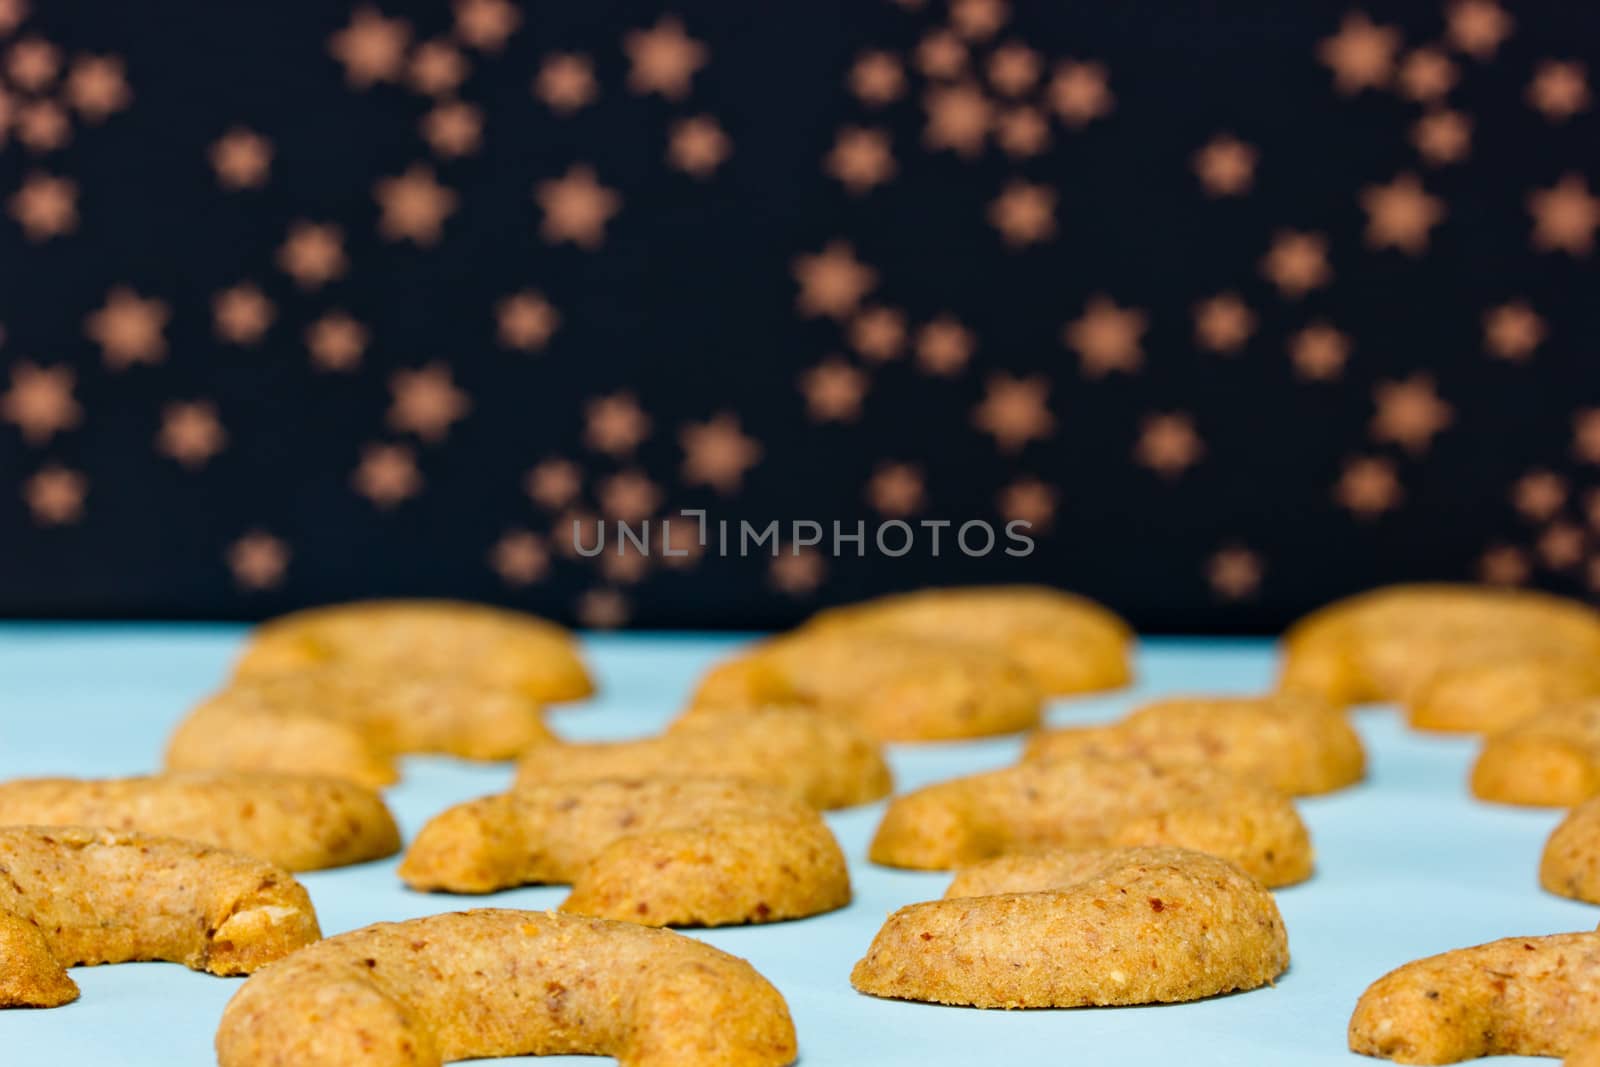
(1407, 865)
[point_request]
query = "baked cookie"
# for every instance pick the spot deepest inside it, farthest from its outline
(1384, 644)
(1493, 693)
(1118, 926)
(100, 896)
(1095, 803)
(660, 852)
(1522, 996)
(896, 687)
(494, 647)
(477, 984)
(1297, 744)
(350, 721)
(1570, 866)
(1551, 760)
(1067, 643)
(828, 762)
(296, 822)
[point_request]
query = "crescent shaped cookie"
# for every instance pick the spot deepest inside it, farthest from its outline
(826, 761)
(493, 647)
(1522, 996)
(1067, 643)
(296, 822)
(1298, 744)
(1550, 760)
(1494, 693)
(1385, 644)
(350, 721)
(661, 852)
(894, 686)
(476, 984)
(1570, 866)
(100, 896)
(1122, 926)
(1095, 803)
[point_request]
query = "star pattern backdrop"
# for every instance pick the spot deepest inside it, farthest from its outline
(1242, 309)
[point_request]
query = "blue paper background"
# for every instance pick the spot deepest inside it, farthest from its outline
(1407, 865)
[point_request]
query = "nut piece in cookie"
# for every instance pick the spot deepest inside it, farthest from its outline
(1096, 803)
(896, 687)
(1570, 866)
(494, 647)
(824, 760)
(1384, 645)
(660, 852)
(1551, 760)
(1067, 643)
(1493, 693)
(1298, 744)
(297, 822)
(1522, 996)
(350, 721)
(1117, 926)
(101, 896)
(478, 984)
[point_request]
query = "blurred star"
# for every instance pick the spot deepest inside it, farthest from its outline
(190, 433)
(258, 561)
(426, 401)
(336, 341)
(413, 206)
(1106, 337)
(39, 402)
(129, 328)
(1014, 411)
(1168, 444)
(663, 59)
(717, 454)
(576, 208)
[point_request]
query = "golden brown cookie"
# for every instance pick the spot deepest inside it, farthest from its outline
(477, 984)
(30, 976)
(493, 647)
(826, 761)
(1491, 693)
(350, 721)
(1551, 760)
(102, 896)
(1570, 866)
(1118, 926)
(894, 686)
(1067, 643)
(1522, 996)
(296, 822)
(1095, 803)
(1297, 744)
(661, 852)
(1385, 644)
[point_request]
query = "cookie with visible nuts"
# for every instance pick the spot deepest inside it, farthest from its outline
(661, 852)
(1551, 760)
(493, 982)
(824, 760)
(1119, 926)
(1080, 803)
(1521, 996)
(101, 896)
(1299, 744)
(299, 823)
